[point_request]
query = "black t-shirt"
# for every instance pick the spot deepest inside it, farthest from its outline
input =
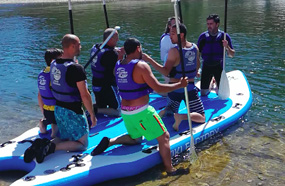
(108, 60)
(75, 73)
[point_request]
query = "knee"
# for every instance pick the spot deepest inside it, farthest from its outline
(166, 135)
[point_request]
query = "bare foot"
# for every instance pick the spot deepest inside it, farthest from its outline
(178, 119)
(42, 126)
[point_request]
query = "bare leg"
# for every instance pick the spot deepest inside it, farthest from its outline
(164, 112)
(43, 128)
(78, 145)
(106, 142)
(164, 150)
(125, 140)
(196, 117)
(54, 130)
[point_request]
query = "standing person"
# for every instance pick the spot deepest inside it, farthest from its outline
(173, 68)
(165, 43)
(103, 81)
(135, 81)
(46, 100)
(210, 44)
(68, 81)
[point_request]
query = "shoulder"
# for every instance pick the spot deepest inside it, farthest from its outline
(202, 35)
(77, 68)
(141, 66)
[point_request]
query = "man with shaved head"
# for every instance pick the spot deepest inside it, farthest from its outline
(69, 87)
(103, 81)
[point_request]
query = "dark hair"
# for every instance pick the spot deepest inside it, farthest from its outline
(131, 45)
(215, 17)
(52, 53)
(167, 30)
(182, 27)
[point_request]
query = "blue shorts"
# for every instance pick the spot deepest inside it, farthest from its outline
(71, 126)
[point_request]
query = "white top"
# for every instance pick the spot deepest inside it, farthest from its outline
(165, 46)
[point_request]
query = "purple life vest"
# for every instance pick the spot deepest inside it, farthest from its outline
(60, 89)
(129, 89)
(44, 88)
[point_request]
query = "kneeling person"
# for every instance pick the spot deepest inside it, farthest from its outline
(136, 81)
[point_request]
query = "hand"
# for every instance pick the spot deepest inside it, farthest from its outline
(94, 121)
(121, 52)
(225, 43)
(184, 81)
(145, 57)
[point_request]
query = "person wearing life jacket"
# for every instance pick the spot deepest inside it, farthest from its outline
(69, 88)
(103, 79)
(211, 44)
(46, 100)
(165, 43)
(173, 69)
(136, 81)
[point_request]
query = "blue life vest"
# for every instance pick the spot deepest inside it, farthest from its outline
(60, 89)
(212, 51)
(96, 67)
(190, 63)
(44, 87)
(129, 89)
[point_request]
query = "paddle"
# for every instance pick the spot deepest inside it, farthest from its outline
(71, 21)
(103, 44)
(70, 17)
(180, 11)
(224, 88)
(105, 12)
(192, 154)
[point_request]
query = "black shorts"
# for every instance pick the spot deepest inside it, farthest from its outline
(208, 72)
(107, 97)
(49, 117)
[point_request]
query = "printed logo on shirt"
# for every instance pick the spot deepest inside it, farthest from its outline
(56, 75)
(42, 80)
(190, 56)
(122, 74)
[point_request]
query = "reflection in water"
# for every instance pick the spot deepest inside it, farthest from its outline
(250, 153)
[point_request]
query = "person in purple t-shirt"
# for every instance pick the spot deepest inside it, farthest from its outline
(210, 44)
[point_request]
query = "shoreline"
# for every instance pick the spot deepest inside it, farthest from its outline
(44, 1)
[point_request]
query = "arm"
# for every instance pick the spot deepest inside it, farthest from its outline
(144, 75)
(40, 102)
(228, 44)
(169, 64)
(198, 63)
(87, 101)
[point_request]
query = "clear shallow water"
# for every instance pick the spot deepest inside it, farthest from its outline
(251, 152)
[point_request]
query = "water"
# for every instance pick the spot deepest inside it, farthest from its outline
(250, 153)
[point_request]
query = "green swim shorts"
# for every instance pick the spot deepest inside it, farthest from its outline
(143, 122)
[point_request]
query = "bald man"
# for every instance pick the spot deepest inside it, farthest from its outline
(69, 87)
(103, 81)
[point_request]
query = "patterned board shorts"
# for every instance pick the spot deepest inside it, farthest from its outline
(71, 126)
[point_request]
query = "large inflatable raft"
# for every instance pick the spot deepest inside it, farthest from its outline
(80, 168)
